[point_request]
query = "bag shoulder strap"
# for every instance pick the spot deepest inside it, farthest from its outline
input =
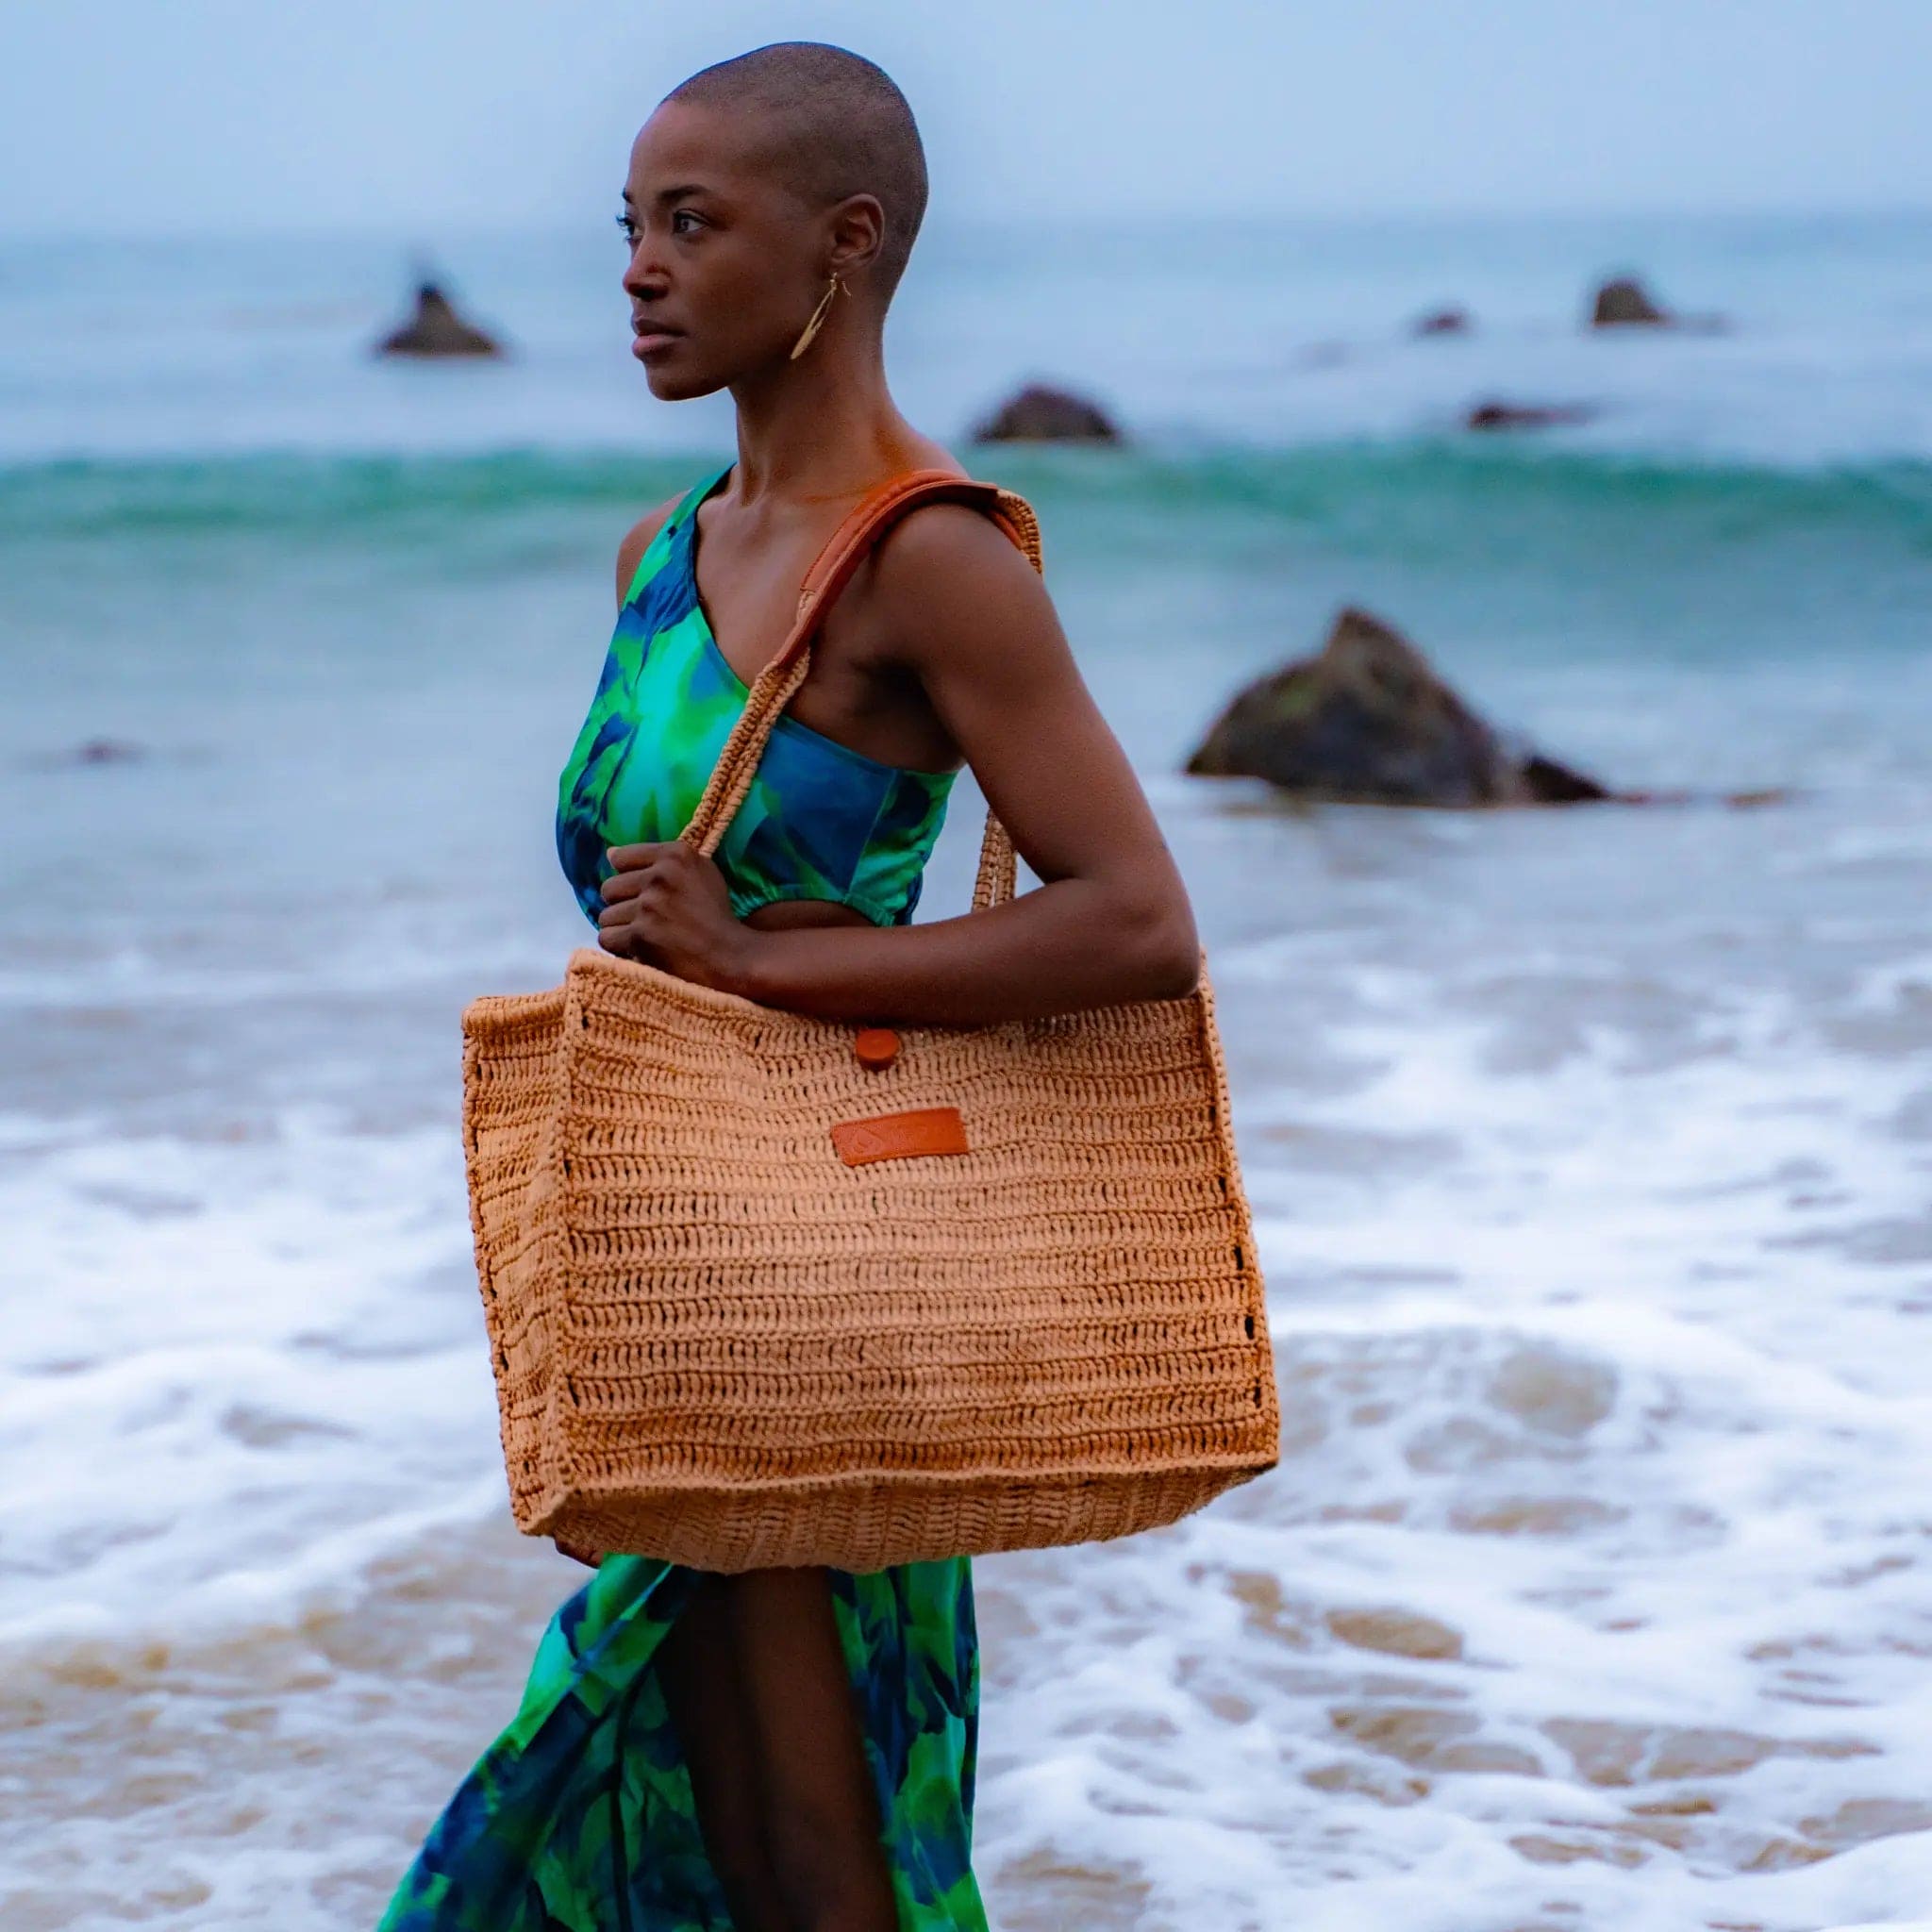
(831, 569)
(874, 513)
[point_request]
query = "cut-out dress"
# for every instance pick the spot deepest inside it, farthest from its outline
(580, 1817)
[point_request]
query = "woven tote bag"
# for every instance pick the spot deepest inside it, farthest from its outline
(765, 1288)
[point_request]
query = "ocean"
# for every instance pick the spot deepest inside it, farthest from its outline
(1590, 1149)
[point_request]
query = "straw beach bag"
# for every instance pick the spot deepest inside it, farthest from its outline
(766, 1289)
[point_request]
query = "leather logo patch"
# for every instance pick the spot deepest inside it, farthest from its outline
(891, 1136)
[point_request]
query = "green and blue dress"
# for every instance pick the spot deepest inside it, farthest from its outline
(580, 1817)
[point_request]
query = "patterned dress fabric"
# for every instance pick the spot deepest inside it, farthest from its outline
(580, 1817)
(821, 819)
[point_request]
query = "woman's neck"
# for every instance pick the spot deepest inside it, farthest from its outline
(822, 427)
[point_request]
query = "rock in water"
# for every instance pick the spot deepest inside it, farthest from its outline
(1501, 415)
(1550, 783)
(1624, 302)
(437, 329)
(1038, 414)
(1621, 301)
(108, 751)
(1369, 721)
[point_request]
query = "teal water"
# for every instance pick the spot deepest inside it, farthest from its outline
(361, 643)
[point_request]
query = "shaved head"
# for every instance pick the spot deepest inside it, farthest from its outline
(831, 123)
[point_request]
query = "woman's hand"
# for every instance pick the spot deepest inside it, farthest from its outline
(666, 904)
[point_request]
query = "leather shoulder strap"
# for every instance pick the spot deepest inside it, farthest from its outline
(868, 520)
(831, 569)
(863, 525)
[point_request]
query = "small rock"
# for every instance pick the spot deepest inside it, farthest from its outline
(1442, 321)
(1501, 415)
(1622, 302)
(1625, 303)
(437, 329)
(1040, 414)
(108, 751)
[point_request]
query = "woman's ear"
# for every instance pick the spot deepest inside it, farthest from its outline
(858, 232)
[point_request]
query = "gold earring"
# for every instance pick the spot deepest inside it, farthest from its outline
(818, 316)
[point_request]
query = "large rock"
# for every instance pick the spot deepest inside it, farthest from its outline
(437, 329)
(1040, 414)
(1367, 721)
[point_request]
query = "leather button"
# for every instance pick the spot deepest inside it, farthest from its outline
(876, 1046)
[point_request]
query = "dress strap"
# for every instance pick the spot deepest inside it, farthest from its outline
(679, 511)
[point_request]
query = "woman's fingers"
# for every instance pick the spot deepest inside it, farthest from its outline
(628, 858)
(635, 872)
(622, 885)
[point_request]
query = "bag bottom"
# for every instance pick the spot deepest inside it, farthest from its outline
(862, 1526)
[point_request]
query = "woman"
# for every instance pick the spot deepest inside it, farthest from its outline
(794, 1750)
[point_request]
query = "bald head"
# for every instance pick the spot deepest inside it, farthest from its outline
(831, 123)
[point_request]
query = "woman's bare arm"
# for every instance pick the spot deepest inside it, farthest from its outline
(1110, 919)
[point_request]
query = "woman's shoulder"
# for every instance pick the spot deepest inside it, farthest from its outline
(949, 545)
(945, 535)
(948, 584)
(638, 538)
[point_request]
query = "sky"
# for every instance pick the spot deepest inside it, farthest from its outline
(190, 117)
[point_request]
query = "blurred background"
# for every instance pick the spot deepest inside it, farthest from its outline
(1584, 351)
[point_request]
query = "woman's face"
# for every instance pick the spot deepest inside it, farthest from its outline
(724, 265)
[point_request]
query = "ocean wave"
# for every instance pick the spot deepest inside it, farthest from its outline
(1348, 483)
